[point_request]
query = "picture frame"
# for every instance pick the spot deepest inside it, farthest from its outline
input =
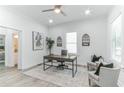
(37, 40)
(59, 41)
(85, 40)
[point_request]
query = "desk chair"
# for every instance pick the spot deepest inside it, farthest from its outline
(62, 65)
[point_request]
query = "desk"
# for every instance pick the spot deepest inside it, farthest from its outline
(71, 59)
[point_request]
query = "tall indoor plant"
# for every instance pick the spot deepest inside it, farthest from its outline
(50, 44)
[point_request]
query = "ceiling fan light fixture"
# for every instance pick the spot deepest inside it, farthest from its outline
(57, 10)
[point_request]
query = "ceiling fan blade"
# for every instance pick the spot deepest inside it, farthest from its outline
(63, 13)
(48, 10)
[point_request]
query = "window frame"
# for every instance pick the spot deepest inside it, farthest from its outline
(115, 47)
(71, 43)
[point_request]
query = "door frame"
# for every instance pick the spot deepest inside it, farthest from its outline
(20, 46)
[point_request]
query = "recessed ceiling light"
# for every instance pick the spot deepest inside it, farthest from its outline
(87, 12)
(50, 21)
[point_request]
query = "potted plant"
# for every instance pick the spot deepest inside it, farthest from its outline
(50, 44)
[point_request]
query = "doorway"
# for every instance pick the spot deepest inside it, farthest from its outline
(16, 49)
(12, 47)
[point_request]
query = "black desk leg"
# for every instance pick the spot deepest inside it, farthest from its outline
(72, 68)
(44, 64)
(76, 64)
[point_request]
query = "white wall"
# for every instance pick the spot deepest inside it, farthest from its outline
(13, 19)
(96, 28)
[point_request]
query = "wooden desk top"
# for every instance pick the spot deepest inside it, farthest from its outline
(60, 57)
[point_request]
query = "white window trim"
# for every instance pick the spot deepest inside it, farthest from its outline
(71, 42)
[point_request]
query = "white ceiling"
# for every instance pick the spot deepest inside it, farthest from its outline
(74, 12)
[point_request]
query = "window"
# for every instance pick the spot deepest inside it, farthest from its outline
(71, 42)
(116, 39)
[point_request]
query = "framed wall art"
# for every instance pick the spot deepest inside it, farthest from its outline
(38, 40)
(59, 41)
(85, 40)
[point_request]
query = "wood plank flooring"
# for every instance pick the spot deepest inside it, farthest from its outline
(11, 77)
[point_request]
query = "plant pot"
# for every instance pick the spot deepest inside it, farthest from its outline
(50, 52)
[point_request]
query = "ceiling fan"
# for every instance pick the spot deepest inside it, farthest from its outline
(57, 9)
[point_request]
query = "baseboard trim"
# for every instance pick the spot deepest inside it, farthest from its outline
(23, 70)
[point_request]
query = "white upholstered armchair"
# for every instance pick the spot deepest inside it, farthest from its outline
(92, 65)
(108, 77)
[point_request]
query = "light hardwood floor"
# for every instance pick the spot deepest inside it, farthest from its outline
(11, 77)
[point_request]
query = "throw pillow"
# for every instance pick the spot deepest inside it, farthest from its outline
(94, 58)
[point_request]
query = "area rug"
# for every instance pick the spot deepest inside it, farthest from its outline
(61, 78)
